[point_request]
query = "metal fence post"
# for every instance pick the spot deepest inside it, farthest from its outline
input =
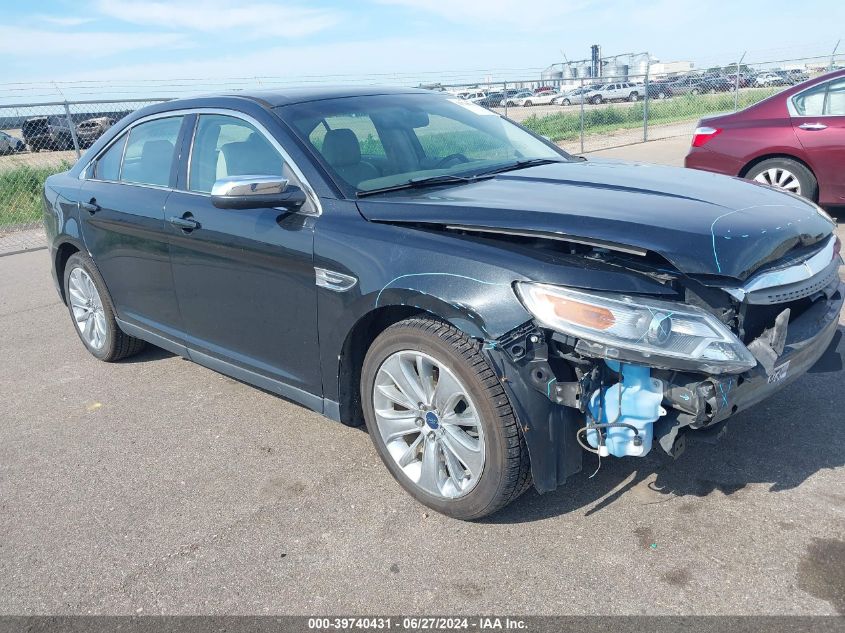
(505, 96)
(736, 87)
(581, 96)
(833, 55)
(72, 128)
(645, 103)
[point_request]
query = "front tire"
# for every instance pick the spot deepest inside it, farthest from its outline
(92, 312)
(787, 174)
(633, 97)
(441, 421)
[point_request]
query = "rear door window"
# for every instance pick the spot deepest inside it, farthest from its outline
(150, 149)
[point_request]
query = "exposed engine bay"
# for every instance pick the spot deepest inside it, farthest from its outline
(630, 395)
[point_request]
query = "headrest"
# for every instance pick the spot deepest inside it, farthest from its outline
(341, 148)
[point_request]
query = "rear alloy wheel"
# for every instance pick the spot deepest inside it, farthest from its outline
(566, 102)
(661, 95)
(633, 97)
(441, 421)
(786, 174)
(92, 312)
(596, 100)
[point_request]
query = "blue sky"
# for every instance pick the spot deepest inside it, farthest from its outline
(133, 40)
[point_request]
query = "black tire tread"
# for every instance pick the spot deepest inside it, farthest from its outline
(517, 475)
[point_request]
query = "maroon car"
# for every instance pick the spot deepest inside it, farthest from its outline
(794, 140)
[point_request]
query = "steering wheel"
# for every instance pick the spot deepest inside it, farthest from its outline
(451, 158)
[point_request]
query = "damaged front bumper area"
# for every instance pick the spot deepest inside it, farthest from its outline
(612, 403)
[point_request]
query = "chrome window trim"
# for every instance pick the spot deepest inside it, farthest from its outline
(790, 106)
(804, 271)
(306, 186)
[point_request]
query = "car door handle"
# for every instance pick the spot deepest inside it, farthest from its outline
(91, 207)
(813, 126)
(186, 222)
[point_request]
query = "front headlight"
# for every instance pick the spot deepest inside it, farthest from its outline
(655, 332)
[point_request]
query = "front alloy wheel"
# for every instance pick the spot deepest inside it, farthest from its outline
(429, 424)
(441, 421)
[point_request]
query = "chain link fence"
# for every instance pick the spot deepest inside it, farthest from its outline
(582, 114)
(37, 140)
(587, 114)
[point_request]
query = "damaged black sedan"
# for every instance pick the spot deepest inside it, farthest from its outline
(488, 305)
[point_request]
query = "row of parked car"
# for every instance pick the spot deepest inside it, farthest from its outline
(633, 91)
(54, 133)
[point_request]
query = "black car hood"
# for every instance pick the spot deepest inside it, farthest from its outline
(702, 223)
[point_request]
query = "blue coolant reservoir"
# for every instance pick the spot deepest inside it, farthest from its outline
(640, 400)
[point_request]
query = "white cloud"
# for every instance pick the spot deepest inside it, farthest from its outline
(19, 42)
(258, 19)
(61, 21)
(527, 15)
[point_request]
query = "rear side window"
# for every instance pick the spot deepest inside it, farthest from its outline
(836, 99)
(810, 102)
(150, 150)
(108, 165)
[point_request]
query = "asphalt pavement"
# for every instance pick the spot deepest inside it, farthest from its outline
(157, 486)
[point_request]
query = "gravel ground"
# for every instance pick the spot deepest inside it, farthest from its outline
(157, 486)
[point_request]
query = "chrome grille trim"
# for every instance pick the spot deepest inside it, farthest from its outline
(798, 278)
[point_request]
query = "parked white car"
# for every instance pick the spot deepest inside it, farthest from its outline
(624, 91)
(572, 97)
(541, 98)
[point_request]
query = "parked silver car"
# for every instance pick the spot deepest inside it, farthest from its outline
(9, 144)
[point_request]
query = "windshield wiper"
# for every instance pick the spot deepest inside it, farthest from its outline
(521, 164)
(414, 183)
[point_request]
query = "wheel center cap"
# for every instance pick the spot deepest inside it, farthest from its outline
(432, 420)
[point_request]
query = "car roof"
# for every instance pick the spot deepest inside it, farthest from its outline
(290, 96)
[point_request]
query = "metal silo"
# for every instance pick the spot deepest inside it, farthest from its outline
(639, 66)
(613, 71)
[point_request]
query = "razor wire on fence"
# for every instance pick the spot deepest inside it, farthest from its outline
(582, 112)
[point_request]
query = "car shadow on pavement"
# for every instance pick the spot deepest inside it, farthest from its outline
(780, 443)
(149, 354)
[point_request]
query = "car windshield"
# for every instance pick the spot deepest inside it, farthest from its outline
(374, 142)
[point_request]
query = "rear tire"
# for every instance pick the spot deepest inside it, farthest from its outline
(596, 100)
(633, 97)
(427, 353)
(92, 312)
(566, 102)
(785, 173)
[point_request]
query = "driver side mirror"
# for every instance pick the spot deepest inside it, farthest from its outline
(256, 192)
